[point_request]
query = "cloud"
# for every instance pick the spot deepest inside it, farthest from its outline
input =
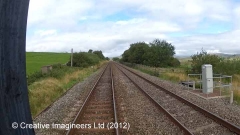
(111, 26)
(42, 33)
(225, 43)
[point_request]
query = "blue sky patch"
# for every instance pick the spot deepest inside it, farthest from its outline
(212, 27)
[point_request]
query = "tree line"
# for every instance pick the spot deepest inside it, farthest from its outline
(85, 59)
(158, 53)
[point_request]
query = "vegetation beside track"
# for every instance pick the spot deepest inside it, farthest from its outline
(44, 92)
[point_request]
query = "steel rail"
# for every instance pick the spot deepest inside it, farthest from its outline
(114, 102)
(174, 120)
(214, 117)
(80, 112)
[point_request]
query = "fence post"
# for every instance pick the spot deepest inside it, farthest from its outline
(231, 97)
(231, 94)
(14, 102)
(193, 85)
(71, 57)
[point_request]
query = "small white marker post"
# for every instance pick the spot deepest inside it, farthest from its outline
(231, 94)
(231, 97)
(193, 85)
(71, 57)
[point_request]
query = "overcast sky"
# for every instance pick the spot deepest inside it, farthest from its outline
(112, 25)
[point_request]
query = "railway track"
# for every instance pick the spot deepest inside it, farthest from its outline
(191, 118)
(99, 108)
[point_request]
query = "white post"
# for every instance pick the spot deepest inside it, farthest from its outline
(231, 97)
(71, 57)
(193, 85)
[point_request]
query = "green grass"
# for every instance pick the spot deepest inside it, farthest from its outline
(35, 60)
(44, 92)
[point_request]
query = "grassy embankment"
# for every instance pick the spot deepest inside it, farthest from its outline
(179, 74)
(46, 90)
(35, 60)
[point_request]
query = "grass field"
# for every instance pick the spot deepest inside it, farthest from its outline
(35, 60)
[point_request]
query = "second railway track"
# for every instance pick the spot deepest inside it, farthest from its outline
(191, 118)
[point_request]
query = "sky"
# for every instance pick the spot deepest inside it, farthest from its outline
(112, 25)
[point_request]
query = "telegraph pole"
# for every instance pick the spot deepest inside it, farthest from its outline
(71, 57)
(14, 102)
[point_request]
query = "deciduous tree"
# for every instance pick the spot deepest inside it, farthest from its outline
(160, 54)
(204, 58)
(99, 54)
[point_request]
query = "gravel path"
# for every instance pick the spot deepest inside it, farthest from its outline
(138, 111)
(218, 106)
(64, 110)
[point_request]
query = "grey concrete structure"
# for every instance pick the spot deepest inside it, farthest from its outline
(46, 69)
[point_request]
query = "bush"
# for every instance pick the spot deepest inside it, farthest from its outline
(204, 58)
(220, 65)
(34, 77)
(99, 54)
(116, 59)
(174, 62)
(84, 59)
(229, 67)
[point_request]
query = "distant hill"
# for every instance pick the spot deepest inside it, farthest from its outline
(182, 57)
(186, 59)
(224, 55)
